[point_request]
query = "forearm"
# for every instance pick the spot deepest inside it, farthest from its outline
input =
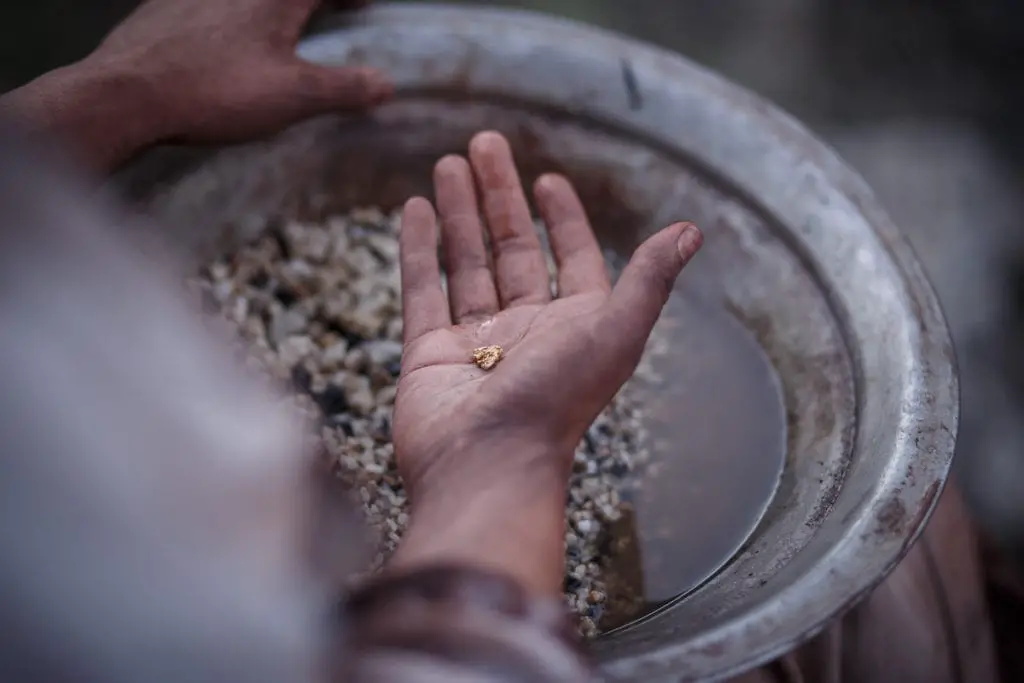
(474, 591)
(102, 115)
(513, 524)
(518, 533)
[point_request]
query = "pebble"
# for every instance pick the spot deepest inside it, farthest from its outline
(286, 323)
(383, 352)
(319, 305)
(294, 349)
(334, 356)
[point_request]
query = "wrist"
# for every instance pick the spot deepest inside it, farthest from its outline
(509, 522)
(104, 113)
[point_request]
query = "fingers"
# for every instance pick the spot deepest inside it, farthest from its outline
(424, 305)
(647, 281)
(470, 284)
(317, 89)
(581, 266)
(520, 268)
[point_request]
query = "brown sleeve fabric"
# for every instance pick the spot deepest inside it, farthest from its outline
(449, 623)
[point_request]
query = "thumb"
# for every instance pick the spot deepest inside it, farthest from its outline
(646, 283)
(322, 89)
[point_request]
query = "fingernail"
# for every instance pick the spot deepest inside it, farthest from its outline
(690, 240)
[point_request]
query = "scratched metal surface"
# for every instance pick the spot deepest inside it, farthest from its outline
(851, 370)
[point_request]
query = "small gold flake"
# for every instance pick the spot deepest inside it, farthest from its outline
(486, 357)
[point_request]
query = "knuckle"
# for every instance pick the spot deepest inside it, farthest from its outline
(516, 244)
(468, 263)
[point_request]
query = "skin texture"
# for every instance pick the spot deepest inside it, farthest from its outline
(195, 71)
(489, 442)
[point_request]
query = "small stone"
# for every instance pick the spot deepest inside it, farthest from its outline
(393, 330)
(334, 356)
(308, 241)
(240, 310)
(332, 400)
(367, 216)
(361, 261)
(294, 349)
(287, 323)
(219, 271)
(364, 321)
(342, 422)
(222, 291)
(356, 360)
(383, 352)
(297, 273)
(617, 469)
(385, 247)
(360, 396)
(386, 396)
(259, 279)
(382, 428)
(302, 378)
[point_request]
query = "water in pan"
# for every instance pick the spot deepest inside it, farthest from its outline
(715, 425)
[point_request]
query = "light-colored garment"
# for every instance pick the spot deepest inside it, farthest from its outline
(153, 505)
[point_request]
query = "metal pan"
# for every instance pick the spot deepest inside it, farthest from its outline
(805, 340)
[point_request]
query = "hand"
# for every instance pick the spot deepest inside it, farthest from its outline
(194, 71)
(227, 69)
(506, 437)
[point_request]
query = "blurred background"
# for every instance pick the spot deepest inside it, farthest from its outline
(921, 97)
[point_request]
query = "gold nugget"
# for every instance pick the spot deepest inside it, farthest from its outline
(486, 357)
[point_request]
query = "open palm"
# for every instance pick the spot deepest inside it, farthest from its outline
(563, 358)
